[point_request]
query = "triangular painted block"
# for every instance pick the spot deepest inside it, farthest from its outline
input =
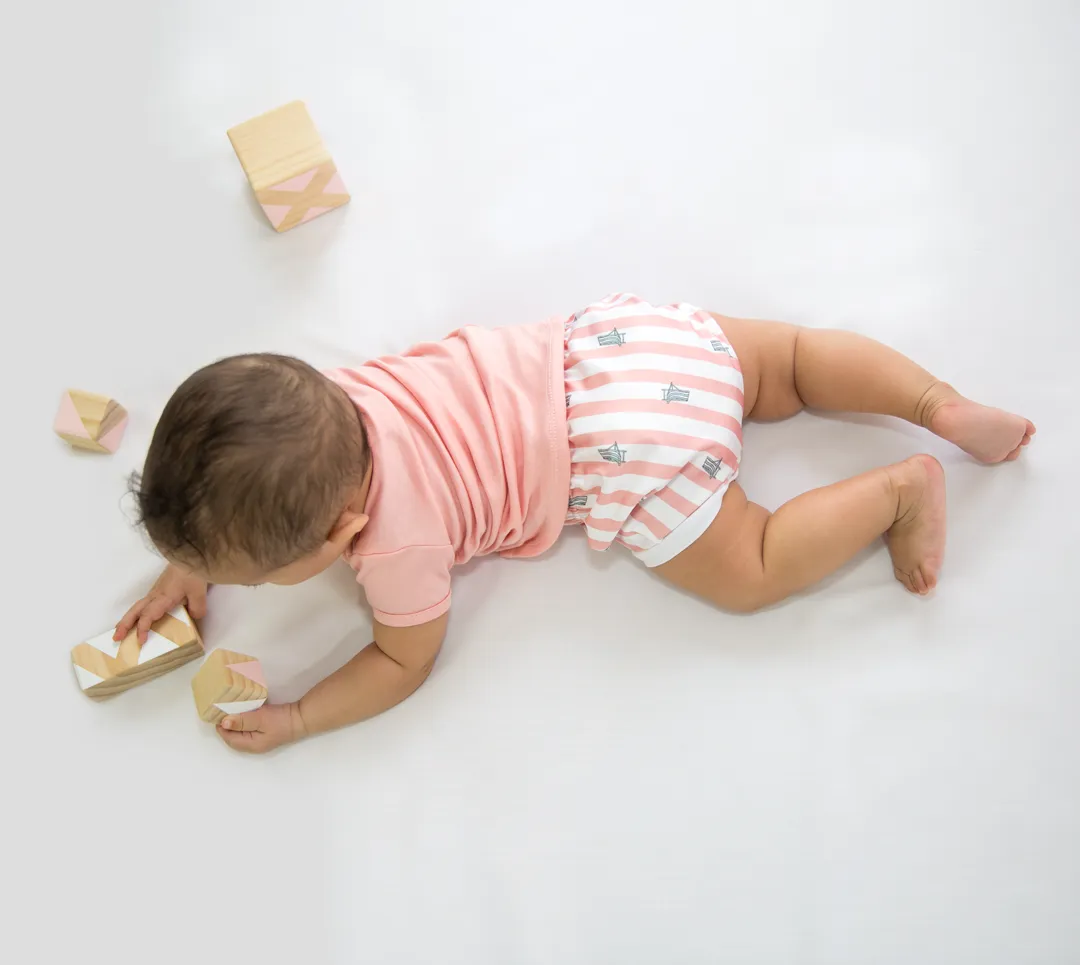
(86, 678)
(106, 644)
(297, 183)
(68, 420)
(111, 439)
(276, 212)
(313, 213)
(156, 646)
(240, 706)
(251, 669)
(179, 613)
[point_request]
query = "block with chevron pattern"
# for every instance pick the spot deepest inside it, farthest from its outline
(89, 421)
(228, 683)
(104, 666)
(288, 166)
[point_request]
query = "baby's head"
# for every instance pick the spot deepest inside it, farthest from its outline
(256, 472)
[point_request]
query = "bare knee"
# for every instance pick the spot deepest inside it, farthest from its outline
(755, 588)
(746, 604)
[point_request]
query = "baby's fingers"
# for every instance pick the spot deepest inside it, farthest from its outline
(154, 611)
(241, 722)
(236, 739)
(249, 741)
(123, 628)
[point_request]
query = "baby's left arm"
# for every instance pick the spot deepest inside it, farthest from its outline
(381, 675)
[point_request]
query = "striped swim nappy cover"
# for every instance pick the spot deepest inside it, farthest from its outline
(654, 399)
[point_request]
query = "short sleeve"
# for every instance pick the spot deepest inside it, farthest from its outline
(407, 587)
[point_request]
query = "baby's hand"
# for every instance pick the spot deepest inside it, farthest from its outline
(259, 731)
(172, 588)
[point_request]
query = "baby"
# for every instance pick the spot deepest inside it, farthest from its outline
(625, 418)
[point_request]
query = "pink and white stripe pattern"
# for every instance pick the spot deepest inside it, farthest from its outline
(654, 398)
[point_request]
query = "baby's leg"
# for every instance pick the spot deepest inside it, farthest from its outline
(786, 367)
(748, 558)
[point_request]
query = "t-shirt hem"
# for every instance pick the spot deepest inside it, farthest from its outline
(413, 619)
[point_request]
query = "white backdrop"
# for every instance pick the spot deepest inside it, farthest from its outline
(599, 770)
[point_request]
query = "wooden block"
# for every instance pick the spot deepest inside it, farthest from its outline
(104, 667)
(288, 166)
(228, 683)
(89, 421)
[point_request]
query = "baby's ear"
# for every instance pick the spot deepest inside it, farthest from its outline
(346, 527)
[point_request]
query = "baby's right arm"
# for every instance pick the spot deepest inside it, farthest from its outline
(378, 677)
(172, 588)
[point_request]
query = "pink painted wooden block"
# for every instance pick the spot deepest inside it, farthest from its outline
(228, 683)
(288, 166)
(89, 421)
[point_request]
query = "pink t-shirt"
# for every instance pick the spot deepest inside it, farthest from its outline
(469, 446)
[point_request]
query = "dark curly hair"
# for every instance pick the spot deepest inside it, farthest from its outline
(254, 458)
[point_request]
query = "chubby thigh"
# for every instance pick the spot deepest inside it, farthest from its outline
(725, 565)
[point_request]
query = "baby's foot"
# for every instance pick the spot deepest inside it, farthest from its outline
(990, 435)
(917, 538)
